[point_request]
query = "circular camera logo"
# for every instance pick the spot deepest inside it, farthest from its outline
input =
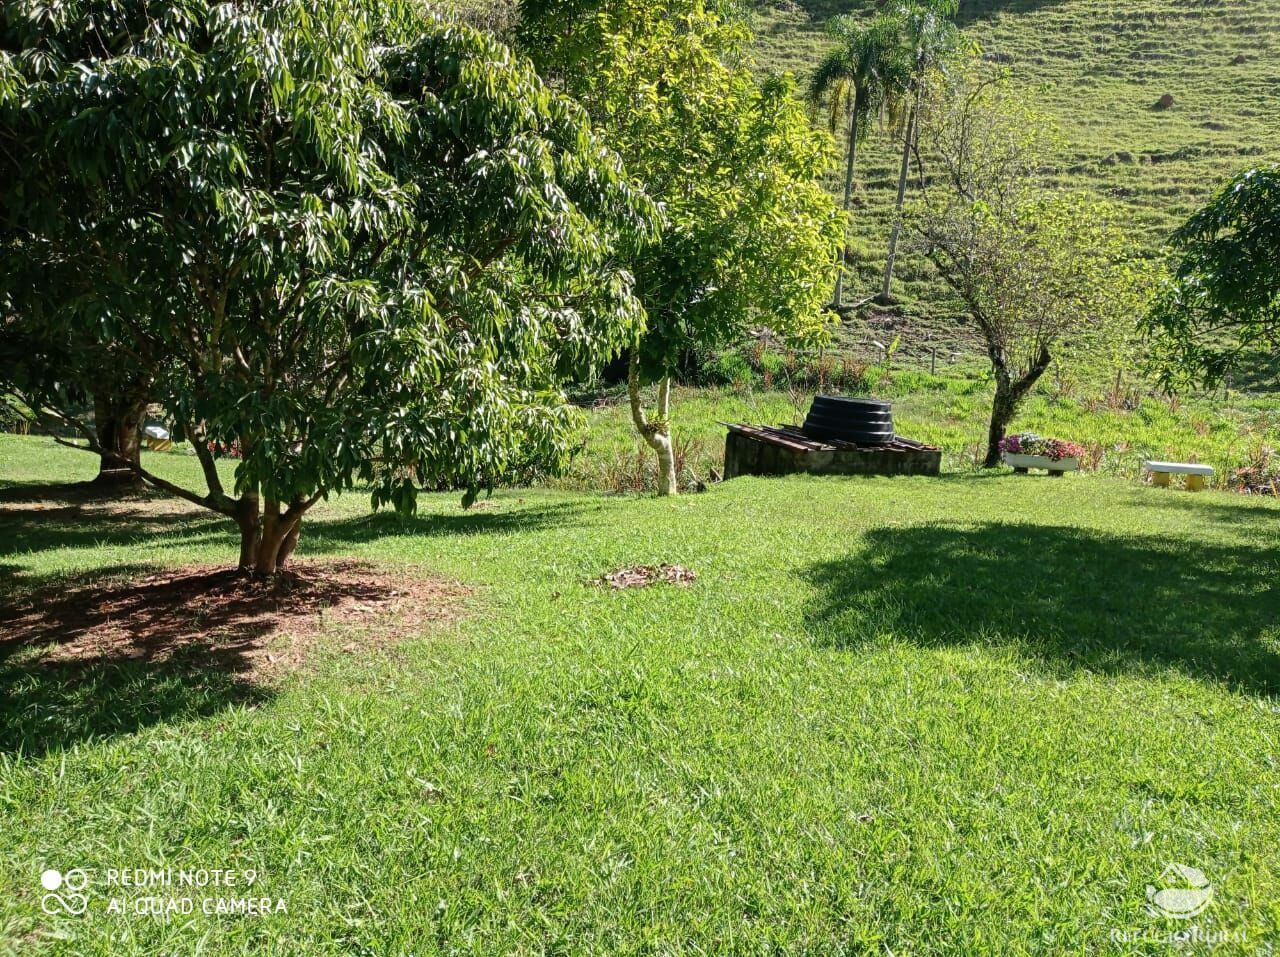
(64, 895)
(1184, 892)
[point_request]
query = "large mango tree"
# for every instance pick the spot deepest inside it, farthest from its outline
(364, 244)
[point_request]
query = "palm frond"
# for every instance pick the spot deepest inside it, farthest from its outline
(831, 82)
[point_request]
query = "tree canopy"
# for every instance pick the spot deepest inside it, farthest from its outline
(1034, 267)
(1223, 300)
(362, 242)
(749, 235)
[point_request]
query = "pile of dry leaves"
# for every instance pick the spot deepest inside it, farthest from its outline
(642, 576)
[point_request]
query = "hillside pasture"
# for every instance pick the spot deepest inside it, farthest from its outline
(1098, 69)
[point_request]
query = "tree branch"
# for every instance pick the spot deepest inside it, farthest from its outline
(208, 466)
(209, 502)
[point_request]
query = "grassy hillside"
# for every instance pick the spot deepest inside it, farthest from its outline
(1098, 67)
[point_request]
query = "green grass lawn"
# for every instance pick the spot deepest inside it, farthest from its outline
(970, 715)
(952, 412)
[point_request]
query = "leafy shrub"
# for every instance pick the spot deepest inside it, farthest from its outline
(733, 368)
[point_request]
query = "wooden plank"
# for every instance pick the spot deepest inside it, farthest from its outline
(793, 439)
(816, 445)
(772, 438)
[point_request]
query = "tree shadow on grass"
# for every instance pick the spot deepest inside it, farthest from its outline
(75, 665)
(37, 517)
(50, 705)
(103, 656)
(1068, 598)
(331, 535)
(98, 658)
(71, 493)
(44, 517)
(1258, 510)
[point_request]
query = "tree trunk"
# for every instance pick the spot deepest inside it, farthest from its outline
(657, 434)
(274, 532)
(267, 564)
(1002, 410)
(250, 523)
(667, 483)
(267, 538)
(1009, 395)
(118, 421)
(908, 143)
(289, 544)
(837, 300)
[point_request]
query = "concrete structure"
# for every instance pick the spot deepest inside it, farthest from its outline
(785, 450)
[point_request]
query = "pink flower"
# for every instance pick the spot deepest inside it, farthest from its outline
(1027, 443)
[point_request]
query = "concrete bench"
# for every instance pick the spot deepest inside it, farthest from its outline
(157, 438)
(1162, 472)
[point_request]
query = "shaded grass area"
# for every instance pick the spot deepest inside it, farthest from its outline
(208, 634)
(51, 705)
(973, 715)
(1206, 610)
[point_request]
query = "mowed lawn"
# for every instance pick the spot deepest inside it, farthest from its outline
(970, 715)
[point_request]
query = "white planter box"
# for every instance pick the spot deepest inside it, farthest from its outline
(1041, 462)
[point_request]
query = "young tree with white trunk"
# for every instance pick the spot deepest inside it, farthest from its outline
(749, 236)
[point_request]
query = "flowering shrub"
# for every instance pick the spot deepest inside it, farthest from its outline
(219, 450)
(1027, 443)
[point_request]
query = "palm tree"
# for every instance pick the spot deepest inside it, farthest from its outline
(928, 35)
(857, 80)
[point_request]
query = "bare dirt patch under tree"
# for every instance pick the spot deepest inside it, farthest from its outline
(258, 629)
